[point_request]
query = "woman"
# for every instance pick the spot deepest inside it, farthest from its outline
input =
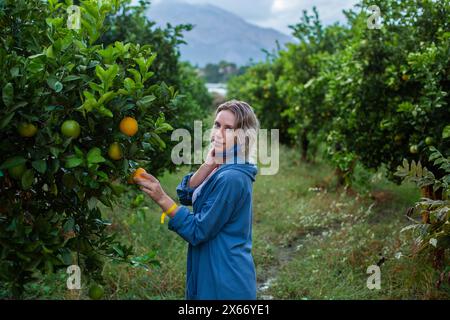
(219, 230)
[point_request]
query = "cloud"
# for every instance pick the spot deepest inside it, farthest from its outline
(278, 14)
(282, 5)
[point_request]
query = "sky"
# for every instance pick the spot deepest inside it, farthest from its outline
(278, 14)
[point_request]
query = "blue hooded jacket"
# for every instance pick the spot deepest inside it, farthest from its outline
(219, 232)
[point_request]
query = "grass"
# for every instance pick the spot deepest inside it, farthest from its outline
(311, 240)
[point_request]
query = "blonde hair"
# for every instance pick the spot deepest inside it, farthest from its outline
(246, 126)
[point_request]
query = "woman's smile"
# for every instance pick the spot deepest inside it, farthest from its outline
(218, 144)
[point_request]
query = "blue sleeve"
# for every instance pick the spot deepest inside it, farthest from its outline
(184, 192)
(214, 214)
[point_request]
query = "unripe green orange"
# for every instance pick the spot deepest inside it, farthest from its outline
(27, 130)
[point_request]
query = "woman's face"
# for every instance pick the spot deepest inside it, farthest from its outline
(222, 136)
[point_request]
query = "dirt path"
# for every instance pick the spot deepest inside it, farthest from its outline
(284, 255)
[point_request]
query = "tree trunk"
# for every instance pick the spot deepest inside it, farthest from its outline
(439, 258)
(427, 192)
(304, 143)
(340, 177)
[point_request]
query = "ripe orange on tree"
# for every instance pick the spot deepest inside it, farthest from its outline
(115, 151)
(128, 126)
(27, 130)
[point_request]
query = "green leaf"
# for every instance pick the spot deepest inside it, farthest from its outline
(150, 60)
(136, 75)
(68, 226)
(71, 78)
(8, 94)
(118, 250)
(12, 162)
(109, 54)
(106, 201)
(117, 188)
(405, 107)
(40, 165)
(105, 112)
(73, 161)
(107, 76)
(88, 105)
(14, 72)
(27, 179)
(164, 127)
(142, 65)
(95, 156)
(49, 52)
(158, 140)
(100, 72)
(145, 101)
(446, 132)
(36, 56)
(54, 108)
(137, 200)
(55, 151)
(103, 175)
(66, 256)
(54, 189)
(78, 152)
(95, 86)
(107, 97)
(54, 166)
(148, 75)
(129, 84)
(144, 260)
(6, 120)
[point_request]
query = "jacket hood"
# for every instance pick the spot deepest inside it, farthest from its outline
(249, 169)
(234, 160)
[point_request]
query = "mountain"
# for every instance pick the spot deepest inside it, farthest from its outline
(217, 34)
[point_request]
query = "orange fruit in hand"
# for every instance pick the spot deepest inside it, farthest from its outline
(115, 151)
(137, 173)
(128, 126)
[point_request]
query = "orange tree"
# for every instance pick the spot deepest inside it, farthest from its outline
(300, 84)
(287, 91)
(390, 87)
(258, 86)
(131, 24)
(63, 98)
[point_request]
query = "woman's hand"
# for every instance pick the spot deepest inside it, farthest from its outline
(151, 186)
(205, 169)
(211, 158)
